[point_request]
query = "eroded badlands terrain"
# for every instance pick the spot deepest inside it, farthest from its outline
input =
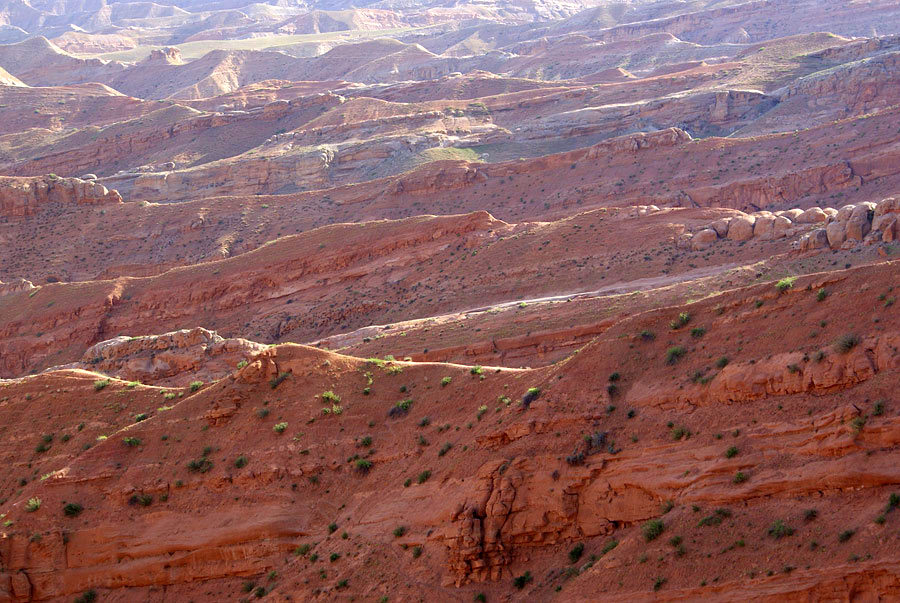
(503, 301)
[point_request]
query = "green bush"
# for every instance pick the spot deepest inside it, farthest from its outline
(276, 380)
(201, 465)
(576, 552)
(280, 427)
(652, 529)
(674, 354)
(779, 530)
(521, 581)
(241, 462)
(679, 322)
(72, 509)
(785, 284)
(101, 384)
(195, 385)
(131, 442)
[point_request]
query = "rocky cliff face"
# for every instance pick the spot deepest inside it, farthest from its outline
(20, 197)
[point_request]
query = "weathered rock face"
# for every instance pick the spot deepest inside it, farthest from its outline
(23, 196)
(175, 358)
(15, 286)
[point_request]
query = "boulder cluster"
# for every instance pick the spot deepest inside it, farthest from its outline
(853, 224)
(835, 228)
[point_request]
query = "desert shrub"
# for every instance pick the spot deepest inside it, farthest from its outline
(530, 396)
(679, 322)
(277, 379)
(331, 397)
(140, 417)
(716, 518)
(131, 441)
(445, 449)
(195, 385)
(731, 452)
(521, 581)
(145, 500)
(846, 342)
(740, 477)
(576, 458)
(401, 409)
(785, 284)
(476, 370)
(446, 381)
(72, 509)
(822, 293)
(399, 531)
(88, 596)
(647, 335)
(722, 362)
(608, 547)
(652, 529)
(423, 477)
(674, 354)
(241, 462)
(779, 530)
(846, 535)
(280, 427)
(680, 433)
(201, 465)
(575, 552)
(363, 465)
(698, 332)
(101, 384)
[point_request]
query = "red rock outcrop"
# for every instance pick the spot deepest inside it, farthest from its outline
(176, 358)
(20, 197)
